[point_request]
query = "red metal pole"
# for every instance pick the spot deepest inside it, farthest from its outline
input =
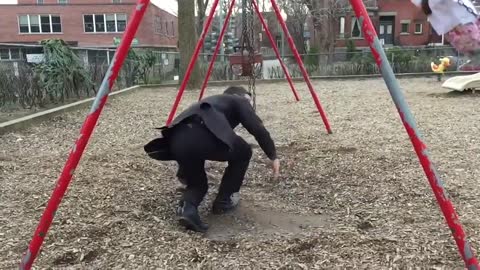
(193, 60)
(300, 64)
(217, 48)
(85, 133)
(408, 121)
(275, 49)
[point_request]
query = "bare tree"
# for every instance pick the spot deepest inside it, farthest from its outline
(297, 13)
(325, 17)
(187, 40)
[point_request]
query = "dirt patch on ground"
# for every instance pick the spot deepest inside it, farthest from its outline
(253, 221)
(356, 199)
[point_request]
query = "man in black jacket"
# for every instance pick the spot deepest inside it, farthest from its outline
(205, 131)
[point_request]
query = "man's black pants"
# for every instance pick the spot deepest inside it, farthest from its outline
(192, 144)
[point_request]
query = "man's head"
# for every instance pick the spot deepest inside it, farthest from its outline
(239, 91)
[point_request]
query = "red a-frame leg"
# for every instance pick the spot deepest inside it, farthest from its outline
(193, 60)
(300, 64)
(275, 49)
(217, 47)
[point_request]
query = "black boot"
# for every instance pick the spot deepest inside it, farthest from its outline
(224, 204)
(189, 218)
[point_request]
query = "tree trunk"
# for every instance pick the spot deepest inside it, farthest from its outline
(187, 40)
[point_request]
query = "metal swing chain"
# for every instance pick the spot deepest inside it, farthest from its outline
(251, 54)
(469, 9)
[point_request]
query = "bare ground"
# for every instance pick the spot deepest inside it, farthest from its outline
(356, 199)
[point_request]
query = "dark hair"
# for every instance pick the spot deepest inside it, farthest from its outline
(236, 90)
(426, 7)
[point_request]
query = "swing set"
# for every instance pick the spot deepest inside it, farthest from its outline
(370, 34)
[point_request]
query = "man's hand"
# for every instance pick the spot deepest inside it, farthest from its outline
(276, 168)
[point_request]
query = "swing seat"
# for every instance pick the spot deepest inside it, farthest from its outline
(240, 63)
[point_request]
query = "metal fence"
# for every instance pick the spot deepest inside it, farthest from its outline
(342, 62)
(166, 67)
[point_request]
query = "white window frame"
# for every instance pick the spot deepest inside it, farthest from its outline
(104, 23)
(342, 27)
(421, 29)
(408, 23)
(62, 2)
(39, 24)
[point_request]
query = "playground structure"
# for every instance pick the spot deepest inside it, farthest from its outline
(441, 68)
(462, 83)
(407, 119)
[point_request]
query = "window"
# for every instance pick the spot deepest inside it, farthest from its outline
(56, 24)
(23, 23)
(342, 27)
(405, 27)
(63, 2)
(39, 2)
(121, 22)
(158, 25)
(116, 1)
(356, 28)
(32, 24)
(14, 54)
(101, 23)
(45, 22)
(418, 28)
(4, 54)
(88, 23)
(10, 54)
(111, 25)
(166, 28)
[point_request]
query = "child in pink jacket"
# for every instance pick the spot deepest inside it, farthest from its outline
(458, 20)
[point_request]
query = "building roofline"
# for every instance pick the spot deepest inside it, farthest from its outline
(170, 9)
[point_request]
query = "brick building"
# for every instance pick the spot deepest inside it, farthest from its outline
(84, 23)
(398, 23)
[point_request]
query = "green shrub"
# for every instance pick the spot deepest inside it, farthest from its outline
(62, 74)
